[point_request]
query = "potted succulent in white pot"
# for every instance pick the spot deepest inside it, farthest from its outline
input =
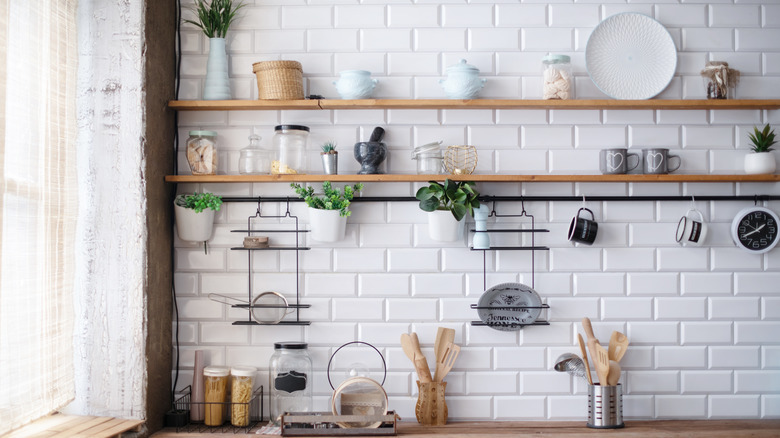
(328, 212)
(762, 161)
(447, 204)
(214, 18)
(195, 216)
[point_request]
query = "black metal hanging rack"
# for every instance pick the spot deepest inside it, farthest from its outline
(534, 198)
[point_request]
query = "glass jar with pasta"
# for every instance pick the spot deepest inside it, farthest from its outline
(241, 394)
(215, 391)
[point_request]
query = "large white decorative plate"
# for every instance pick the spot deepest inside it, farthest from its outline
(630, 56)
(509, 306)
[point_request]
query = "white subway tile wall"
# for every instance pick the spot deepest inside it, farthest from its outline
(703, 322)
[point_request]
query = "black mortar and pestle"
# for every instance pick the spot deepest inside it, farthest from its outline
(370, 154)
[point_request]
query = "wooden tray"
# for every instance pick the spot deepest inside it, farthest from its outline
(324, 424)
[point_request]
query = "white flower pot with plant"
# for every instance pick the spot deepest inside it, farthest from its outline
(447, 205)
(195, 216)
(328, 212)
(762, 161)
(214, 19)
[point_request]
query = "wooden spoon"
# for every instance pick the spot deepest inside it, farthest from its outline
(585, 359)
(420, 362)
(618, 343)
(614, 373)
(600, 361)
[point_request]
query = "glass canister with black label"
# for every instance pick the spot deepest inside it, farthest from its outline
(290, 375)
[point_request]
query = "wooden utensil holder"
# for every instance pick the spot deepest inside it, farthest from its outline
(431, 409)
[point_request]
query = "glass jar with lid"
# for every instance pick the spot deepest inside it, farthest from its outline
(202, 152)
(242, 381)
(254, 160)
(557, 79)
(289, 149)
(429, 158)
(215, 394)
(290, 379)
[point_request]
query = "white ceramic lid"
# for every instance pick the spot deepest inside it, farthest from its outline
(462, 66)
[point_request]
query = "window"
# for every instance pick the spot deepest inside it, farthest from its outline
(38, 186)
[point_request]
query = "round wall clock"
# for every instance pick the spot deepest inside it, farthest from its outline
(754, 229)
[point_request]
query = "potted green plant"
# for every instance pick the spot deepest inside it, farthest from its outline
(214, 17)
(762, 161)
(330, 158)
(447, 204)
(195, 215)
(328, 212)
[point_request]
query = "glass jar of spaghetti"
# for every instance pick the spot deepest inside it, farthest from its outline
(241, 394)
(215, 390)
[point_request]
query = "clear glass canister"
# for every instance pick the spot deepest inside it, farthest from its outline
(429, 158)
(254, 160)
(557, 80)
(290, 379)
(202, 152)
(215, 394)
(720, 81)
(242, 380)
(290, 146)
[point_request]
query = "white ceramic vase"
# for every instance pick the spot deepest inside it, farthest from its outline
(759, 163)
(443, 227)
(327, 225)
(217, 85)
(194, 227)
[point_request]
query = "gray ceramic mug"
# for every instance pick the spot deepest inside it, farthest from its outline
(615, 161)
(657, 161)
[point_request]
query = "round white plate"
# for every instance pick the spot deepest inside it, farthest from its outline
(494, 306)
(631, 56)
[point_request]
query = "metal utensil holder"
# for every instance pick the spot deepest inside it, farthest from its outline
(605, 407)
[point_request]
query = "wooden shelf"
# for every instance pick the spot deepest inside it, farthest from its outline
(671, 178)
(598, 104)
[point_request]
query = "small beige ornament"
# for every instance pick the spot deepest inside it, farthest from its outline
(460, 159)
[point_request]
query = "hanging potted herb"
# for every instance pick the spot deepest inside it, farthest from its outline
(447, 204)
(214, 19)
(328, 212)
(195, 216)
(762, 161)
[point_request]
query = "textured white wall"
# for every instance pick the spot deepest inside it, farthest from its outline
(109, 333)
(703, 322)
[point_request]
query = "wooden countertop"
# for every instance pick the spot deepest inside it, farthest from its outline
(569, 429)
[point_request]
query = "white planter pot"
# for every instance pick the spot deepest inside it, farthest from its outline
(443, 227)
(760, 162)
(327, 225)
(194, 227)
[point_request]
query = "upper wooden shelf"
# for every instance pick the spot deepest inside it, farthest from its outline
(334, 104)
(671, 178)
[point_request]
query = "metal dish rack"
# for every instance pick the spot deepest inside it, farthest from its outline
(184, 403)
(533, 248)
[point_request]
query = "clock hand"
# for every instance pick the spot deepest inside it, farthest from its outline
(754, 231)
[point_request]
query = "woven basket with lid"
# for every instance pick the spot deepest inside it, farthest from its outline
(279, 80)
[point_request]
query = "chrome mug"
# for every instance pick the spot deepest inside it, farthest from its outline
(583, 230)
(656, 161)
(615, 161)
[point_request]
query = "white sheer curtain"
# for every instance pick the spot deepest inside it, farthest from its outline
(38, 186)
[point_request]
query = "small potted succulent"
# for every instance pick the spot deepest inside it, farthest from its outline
(762, 161)
(330, 158)
(195, 216)
(328, 212)
(447, 204)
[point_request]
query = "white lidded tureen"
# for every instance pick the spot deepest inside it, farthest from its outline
(355, 84)
(463, 81)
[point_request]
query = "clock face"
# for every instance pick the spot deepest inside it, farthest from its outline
(755, 229)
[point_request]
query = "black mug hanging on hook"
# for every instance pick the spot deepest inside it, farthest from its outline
(583, 230)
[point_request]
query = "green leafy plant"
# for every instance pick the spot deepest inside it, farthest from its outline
(215, 16)
(199, 201)
(762, 140)
(332, 199)
(459, 197)
(329, 147)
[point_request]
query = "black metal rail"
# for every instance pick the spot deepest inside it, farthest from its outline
(535, 198)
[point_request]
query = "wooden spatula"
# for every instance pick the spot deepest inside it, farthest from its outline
(444, 365)
(447, 336)
(614, 373)
(618, 343)
(585, 359)
(600, 361)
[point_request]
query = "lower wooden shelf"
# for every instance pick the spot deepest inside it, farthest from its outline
(671, 178)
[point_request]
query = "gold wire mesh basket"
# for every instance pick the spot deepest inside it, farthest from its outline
(279, 80)
(460, 159)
